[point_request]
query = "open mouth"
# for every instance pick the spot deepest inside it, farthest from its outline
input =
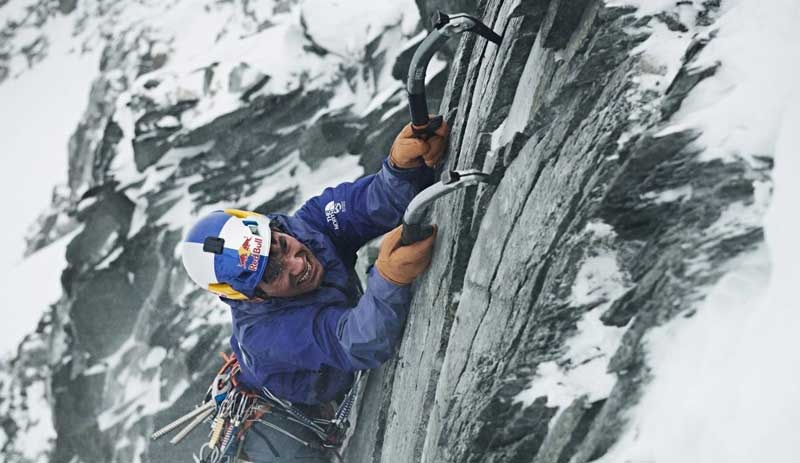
(306, 274)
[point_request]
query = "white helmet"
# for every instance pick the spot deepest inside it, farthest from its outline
(226, 252)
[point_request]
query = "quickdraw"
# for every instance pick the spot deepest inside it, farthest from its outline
(233, 411)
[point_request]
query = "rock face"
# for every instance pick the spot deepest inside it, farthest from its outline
(559, 115)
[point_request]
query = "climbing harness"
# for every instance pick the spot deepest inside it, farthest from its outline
(233, 410)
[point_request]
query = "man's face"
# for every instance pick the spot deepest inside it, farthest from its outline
(292, 269)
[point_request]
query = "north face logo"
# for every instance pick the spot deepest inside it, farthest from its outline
(331, 209)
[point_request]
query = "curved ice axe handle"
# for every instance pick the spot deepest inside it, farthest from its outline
(444, 27)
(414, 228)
(415, 85)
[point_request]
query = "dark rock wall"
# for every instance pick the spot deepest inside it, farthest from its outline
(496, 302)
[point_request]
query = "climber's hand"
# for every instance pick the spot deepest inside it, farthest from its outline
(409, 151)
(401, 264)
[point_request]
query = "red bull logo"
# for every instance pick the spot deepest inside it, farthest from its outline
(245, 252)
(256, 255)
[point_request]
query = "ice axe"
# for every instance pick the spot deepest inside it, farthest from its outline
(445, 26)
(414, 227)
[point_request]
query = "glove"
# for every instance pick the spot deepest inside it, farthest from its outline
(401, 264)
(408, 151)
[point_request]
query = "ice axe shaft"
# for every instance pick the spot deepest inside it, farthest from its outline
(444, 27)
(414, 227)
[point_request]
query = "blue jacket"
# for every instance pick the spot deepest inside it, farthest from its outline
(306, 348)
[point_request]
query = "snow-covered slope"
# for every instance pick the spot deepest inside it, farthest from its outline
(723, 386)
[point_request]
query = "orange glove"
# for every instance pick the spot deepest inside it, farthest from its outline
(408, 151)
(401, 264)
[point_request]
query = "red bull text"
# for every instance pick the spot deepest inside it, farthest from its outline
(245, 252)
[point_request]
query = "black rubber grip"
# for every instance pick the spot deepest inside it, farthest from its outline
(418, 108)
(414, 232)
(429, 130)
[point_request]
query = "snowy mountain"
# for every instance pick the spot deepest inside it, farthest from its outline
(622, 292)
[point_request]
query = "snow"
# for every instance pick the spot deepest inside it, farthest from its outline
(41, 434)
(95, 369)
(598, 278)
(740, 109)
(660, 58)
(346, 27)
(29, 287)
(693, 405)
(581, 371)
(725, 383)
(562, 386)
(154, 357)
(600, 228)
(739, 216)
(667, 196)
(111, 257)
(189, 342)
(331, 172)
(139, 218)
(289, 172)
(400, 106)
(41, 108)
(497, 143)
(737, 113)
(651, 7)
(233, 60)
(136, 377)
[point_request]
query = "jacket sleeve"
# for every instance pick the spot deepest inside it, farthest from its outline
(370, 332)
(353, 213)
(347, 339)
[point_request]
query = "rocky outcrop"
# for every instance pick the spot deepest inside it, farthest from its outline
(558, 115)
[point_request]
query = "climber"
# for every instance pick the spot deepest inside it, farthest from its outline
(302, 326)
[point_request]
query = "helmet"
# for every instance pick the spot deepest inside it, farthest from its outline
(226, 252)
